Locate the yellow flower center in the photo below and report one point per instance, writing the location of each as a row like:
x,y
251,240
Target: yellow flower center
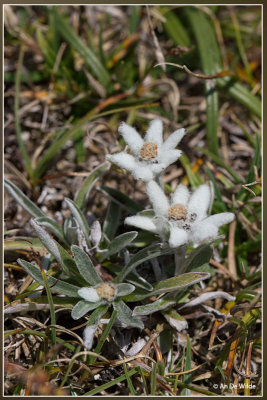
x,y
177,212
105,291
149,151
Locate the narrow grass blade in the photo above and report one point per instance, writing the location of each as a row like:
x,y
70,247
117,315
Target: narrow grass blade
x,y
107,385
153,380
23,200
175,29
187,377
241,94
22,147
211,61
76,42
83,193
194,178
52,307
104,336
220,162
129,381
77,350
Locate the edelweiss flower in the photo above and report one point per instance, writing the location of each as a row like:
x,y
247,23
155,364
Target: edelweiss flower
x,y
184,219
105,292
150,155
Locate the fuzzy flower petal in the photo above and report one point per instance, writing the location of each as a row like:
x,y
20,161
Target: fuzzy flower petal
x,y
220,219
172,141
88,336
154,132
123,160
158,199
89,294
142,172
181,195
177,237
199,201
203,230
141,222
131,137
169,157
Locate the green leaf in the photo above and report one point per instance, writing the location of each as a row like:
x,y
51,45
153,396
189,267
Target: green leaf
x,y
119,243
80,219
143,255
60,254
83,307
194,178
125,315
56,285
187,377
175,29
177,282
139,281
112,220
157,305
122,200
201,255
85,266
76,42
175,320
84,192
23,200
169,285
241,94
211,61
53,227
24,243
122,289
220,162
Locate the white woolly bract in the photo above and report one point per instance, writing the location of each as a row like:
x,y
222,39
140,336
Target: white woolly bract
x,y
88,336
169,157
141,222
158,199
154,132
199,201
220,219
178,237
123,160
172,141
131,137
89,294
181,195
144,173
203,230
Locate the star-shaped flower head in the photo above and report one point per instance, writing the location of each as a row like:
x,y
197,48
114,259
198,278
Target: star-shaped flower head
x,y
184,219
150,156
